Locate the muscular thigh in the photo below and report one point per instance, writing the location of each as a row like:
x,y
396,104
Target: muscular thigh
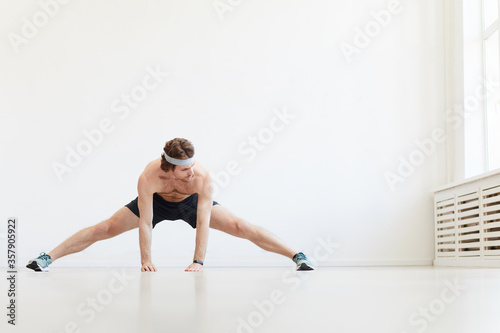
x,y
222,219
123,220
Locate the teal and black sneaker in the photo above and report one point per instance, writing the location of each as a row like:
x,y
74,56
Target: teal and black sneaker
x,y
40,264
303,263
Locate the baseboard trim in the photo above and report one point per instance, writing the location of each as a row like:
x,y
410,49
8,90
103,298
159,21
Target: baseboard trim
x,y
244,263
467,262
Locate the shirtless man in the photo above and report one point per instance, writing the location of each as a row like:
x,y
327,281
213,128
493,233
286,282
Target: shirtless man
x,y
173,187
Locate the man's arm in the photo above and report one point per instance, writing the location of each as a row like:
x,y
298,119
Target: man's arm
x,y
204,210
145,203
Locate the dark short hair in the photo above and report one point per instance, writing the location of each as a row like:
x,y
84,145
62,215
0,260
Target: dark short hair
x,y
176,148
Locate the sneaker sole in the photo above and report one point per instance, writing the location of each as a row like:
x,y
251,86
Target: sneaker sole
x,y
305,267
34,266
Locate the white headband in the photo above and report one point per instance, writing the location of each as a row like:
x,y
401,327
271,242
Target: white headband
x,y
176,161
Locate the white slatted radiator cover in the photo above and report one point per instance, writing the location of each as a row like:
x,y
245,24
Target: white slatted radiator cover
x,y
467,222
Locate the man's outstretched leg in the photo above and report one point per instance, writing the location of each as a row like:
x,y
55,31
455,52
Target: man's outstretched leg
x,y
123,220
222,219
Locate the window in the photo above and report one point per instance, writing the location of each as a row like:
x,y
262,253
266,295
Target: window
x,y
491,47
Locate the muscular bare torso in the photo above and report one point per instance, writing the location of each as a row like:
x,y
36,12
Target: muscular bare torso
x,y
175,186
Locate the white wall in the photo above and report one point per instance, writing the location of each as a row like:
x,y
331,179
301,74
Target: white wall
x,y
356,119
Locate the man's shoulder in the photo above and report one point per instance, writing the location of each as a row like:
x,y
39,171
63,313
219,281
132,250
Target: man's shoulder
x,y
202,172
149,173
151,168
204,181
154,164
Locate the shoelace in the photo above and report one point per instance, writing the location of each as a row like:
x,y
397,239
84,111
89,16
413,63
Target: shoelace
x,y
301,256
43,256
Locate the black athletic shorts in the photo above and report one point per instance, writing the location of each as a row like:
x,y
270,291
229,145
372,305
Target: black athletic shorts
x,y
165,210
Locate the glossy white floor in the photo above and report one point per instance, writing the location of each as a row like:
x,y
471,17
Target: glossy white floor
x,y
371,299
